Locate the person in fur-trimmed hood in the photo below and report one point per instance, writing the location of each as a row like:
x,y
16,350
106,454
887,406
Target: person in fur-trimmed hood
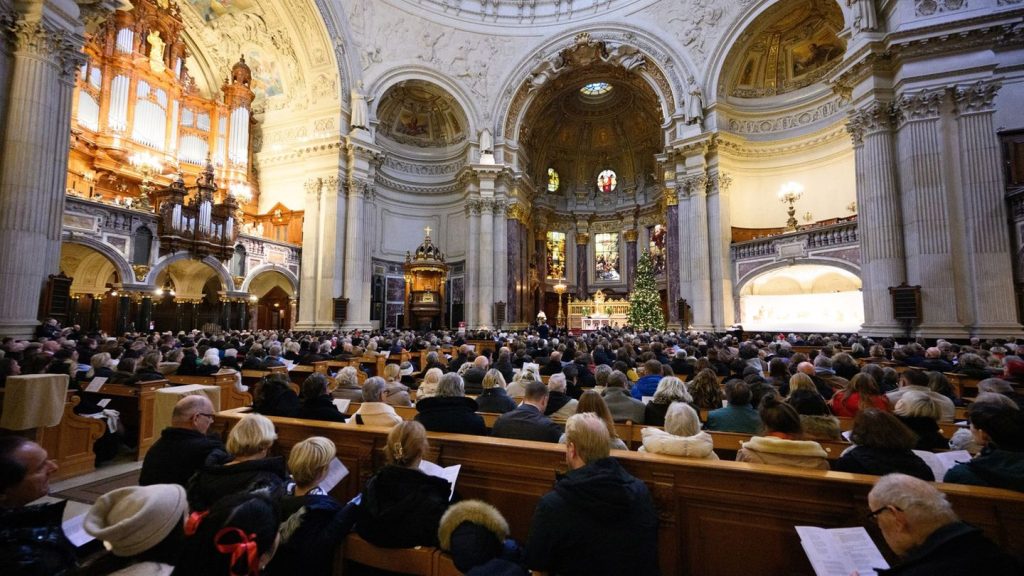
x,y
476,535
781,444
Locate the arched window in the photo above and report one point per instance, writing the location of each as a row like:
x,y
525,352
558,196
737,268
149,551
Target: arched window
x,y
552,180
141,246
607,181
238,261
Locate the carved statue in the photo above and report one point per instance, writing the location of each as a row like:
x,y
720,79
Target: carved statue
x,y
629,57
486,142
865,19
695,106
360,110
156,51
545,71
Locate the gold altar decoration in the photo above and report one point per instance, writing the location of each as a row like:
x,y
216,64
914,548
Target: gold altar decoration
x,y
425,275
597,312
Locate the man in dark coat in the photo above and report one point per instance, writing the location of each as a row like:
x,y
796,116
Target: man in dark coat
x,y
528,422
183,446
596,491
473,378
921,528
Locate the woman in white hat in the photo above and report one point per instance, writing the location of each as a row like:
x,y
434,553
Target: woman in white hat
x,y
142,526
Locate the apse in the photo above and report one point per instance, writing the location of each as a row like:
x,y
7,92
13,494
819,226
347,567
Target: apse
x,y
803,298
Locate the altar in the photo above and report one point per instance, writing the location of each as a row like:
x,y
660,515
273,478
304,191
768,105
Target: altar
x,y
598,312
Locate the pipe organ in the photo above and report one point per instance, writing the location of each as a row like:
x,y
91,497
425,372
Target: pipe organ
x,y
134,95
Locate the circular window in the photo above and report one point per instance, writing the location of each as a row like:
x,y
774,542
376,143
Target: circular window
x,y
606,181
596,89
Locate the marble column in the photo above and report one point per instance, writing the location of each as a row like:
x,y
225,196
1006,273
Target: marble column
x,y
630,236
672,256
363,158
926,223
582,288
514,267
501,277
472,294
123,317
485,272
46,51
723,309
699,265
309,284
988,251
881,235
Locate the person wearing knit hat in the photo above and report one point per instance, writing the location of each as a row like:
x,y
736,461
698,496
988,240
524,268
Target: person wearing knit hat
x,y
476,535
142,526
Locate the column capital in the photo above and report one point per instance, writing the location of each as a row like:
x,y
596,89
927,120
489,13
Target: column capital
x,y
977,97
876,116
695,185
631,235
474,206
582,238
359,188
47,41
919,105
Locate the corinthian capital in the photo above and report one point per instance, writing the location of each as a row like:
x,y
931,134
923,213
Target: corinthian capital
x,y
921,105
45,41
977,97
873,117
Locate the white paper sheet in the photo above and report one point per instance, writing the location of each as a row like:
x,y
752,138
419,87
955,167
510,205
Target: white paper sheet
x,y
103,403
289,364
96,383
75,532
941,462
342,404
841,551
451,473
336,472
646,399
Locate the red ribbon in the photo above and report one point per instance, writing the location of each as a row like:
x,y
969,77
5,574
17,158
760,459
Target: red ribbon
x,y
193,521
246,547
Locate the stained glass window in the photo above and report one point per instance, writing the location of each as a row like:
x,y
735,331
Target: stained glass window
x,y
658,232
552,180
606,256
607,181
596,89
556,255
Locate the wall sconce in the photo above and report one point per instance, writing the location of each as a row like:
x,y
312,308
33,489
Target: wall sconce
x,y
789,193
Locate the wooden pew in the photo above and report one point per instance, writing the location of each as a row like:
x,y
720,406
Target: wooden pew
x,y
703,505
136,403
230,396
250,377
70,442
300,372
420,561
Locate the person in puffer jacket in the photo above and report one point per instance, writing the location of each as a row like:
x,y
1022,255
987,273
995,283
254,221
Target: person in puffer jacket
x,y
682,435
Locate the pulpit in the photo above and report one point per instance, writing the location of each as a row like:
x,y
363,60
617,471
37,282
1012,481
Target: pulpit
x,y
425,275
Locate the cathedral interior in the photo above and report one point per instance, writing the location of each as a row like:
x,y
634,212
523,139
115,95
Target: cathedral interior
x,y
276,164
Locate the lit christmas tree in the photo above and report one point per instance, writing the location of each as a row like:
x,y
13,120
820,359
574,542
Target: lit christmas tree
x,y
644,302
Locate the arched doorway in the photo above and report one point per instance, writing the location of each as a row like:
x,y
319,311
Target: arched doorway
x,y
273,308
96,302
802,298
188,296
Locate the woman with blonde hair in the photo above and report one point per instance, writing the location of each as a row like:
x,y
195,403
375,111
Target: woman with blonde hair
x,y
246,466
801,381
591,401
428,387
401,506
670,389
494,398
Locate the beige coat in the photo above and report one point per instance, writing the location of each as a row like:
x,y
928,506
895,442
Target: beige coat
x,y
657,441
376,414
782,452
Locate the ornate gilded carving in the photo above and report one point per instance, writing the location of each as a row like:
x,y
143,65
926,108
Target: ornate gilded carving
x,y
631,235
978,97
582,239
517,212
141,270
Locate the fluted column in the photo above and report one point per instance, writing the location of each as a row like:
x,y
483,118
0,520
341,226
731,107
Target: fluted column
x,y
309,284
630,236
582,287
487,264
46,50
696,188
363,158
472,295
926,225
723,310
990,291
881,233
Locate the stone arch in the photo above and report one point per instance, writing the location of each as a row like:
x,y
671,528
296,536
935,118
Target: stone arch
x,y
667,72
267,268
845,265
121,265
402,73
226,282
783,301
345,56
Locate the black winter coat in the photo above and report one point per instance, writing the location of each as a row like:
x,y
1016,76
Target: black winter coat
x,y
321,408
956,549
176,456
450,414
879,462
402,508
928,435
277,400
32,542
495,400
217,480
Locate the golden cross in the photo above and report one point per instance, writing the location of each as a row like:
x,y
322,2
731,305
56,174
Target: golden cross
x,y
428,230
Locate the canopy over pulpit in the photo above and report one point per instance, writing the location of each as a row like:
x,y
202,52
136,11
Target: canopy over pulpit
x,y
425,275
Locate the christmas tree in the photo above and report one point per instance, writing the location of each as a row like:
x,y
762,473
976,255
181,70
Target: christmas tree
x,y
644,301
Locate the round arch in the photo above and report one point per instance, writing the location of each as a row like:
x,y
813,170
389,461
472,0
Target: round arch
x,y
227,283
124,270
811,295
844,265
404,72
268,268
667,71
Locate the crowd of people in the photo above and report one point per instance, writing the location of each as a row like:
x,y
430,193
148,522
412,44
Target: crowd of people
x,y
239,509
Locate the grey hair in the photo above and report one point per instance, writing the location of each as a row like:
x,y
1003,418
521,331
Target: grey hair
x,y
996,385
916,403
920,501
373,388
432,376
617,379
682,420
348,376
822,361
450,385
493,379
275,350
671,389
601,374
556,382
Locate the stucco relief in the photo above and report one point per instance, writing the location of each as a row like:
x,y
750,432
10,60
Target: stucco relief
x,y
696,24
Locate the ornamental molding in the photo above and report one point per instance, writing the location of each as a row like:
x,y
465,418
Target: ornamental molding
x,y
920,105
876,116
424,169
772,122
976,98
930,7
743,148
695,185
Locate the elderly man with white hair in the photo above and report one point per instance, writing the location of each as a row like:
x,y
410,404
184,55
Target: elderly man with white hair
x,y
560,404
922,529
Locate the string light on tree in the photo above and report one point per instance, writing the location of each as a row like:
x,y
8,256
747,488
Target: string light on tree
x,y
644,301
